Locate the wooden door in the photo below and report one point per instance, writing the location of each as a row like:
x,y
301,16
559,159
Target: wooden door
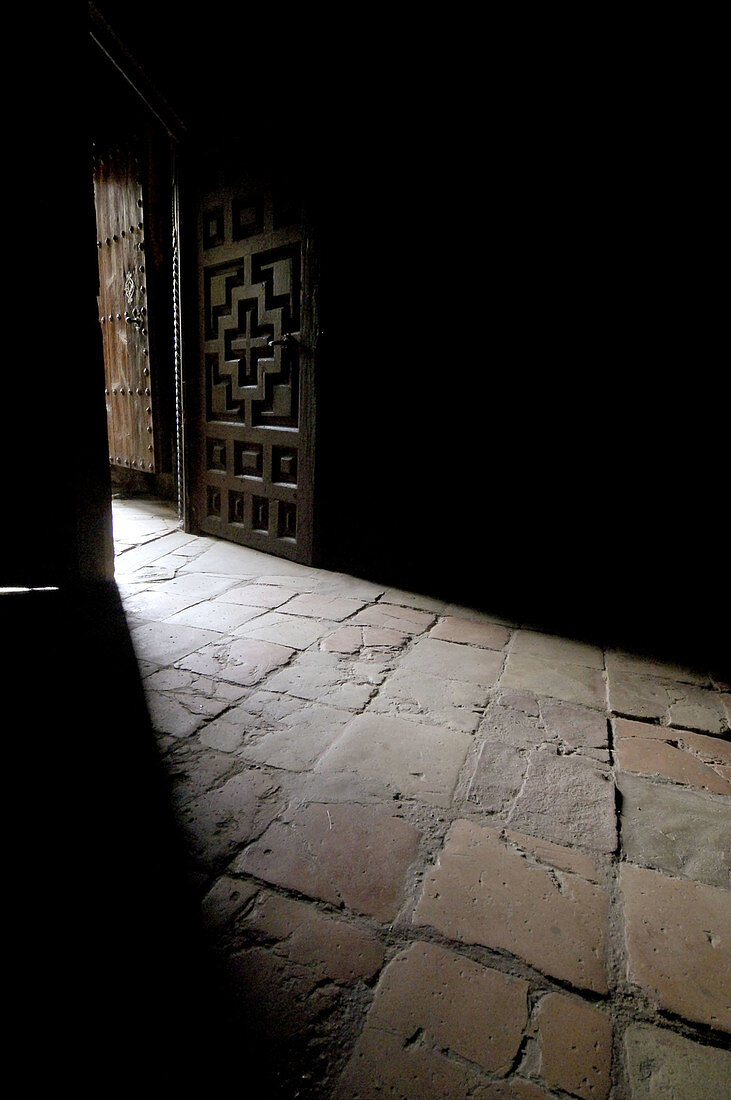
x,y
252,471
123,312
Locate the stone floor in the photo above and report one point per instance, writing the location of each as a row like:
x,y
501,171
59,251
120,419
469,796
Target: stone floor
x,y
439,855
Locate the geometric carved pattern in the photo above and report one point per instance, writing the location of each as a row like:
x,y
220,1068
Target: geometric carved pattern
x,y
253,353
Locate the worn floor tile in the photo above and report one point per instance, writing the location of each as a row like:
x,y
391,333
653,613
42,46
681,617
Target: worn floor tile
x,y
567,799
452,661
417,760
215,615
333,949
549,647
352,639
287,630
681,756
300,739
679,944
489,889
165,643
406,620
556,678
322,606
678,704
243,661
682,832
576,1046
662,1065
498,775
575,726
221,821
193,771
454,703
345,854
468,632
265,596
446,1005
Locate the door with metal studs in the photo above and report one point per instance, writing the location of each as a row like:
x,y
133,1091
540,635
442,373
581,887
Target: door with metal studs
x,y
253,466
123,314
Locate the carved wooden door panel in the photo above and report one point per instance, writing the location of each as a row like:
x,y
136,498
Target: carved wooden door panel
x,y
253,469
123,309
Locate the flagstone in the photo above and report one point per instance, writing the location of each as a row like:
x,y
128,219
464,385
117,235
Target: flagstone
x,y
678,937
483,891
345,854
418,760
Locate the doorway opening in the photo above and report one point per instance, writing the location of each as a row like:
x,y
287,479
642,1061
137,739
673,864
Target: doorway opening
x,y
134,166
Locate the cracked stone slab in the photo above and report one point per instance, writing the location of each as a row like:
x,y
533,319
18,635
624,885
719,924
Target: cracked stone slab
x,y
679,831
345,854
498,776
310,676
557,678
575,1046
452,661
353,639
453,703
244,661
405,620
418,760
662,1064
216,615
320,605
225,899
299,741
673,702
331,948
575,726
168,597
181,714
221,821
261,596
678,936
193,771
567,799
469,632
490,887
294,631
681,756
431,1004
277,726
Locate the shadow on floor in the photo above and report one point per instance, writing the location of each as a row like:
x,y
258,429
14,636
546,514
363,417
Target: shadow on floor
x,y
113,977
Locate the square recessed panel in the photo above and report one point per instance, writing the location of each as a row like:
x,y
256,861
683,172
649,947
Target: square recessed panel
x,y
248,217
284,465
248,459
287,520
260,514
216,454
237,507
213,231
213,501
